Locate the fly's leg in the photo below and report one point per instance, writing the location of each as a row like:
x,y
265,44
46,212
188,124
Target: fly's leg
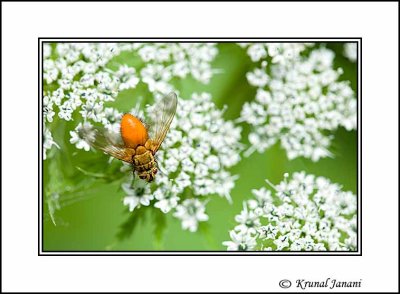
x,y
160,169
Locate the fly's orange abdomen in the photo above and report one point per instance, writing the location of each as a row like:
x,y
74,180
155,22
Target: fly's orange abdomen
x,y
133,132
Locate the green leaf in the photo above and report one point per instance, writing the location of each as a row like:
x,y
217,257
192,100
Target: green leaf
x,y
160,224
127,228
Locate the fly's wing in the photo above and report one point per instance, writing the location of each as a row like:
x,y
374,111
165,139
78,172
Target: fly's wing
x,y
160,119
101,139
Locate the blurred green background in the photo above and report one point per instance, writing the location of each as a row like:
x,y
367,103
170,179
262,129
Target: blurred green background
x,y
93,213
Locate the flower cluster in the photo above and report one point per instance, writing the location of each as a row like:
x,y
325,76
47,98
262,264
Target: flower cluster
x,y
274,52
299,100
81,81
165,61
194,160
303,213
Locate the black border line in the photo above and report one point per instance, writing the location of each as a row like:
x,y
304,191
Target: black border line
x,y
40,146
201,1
359,133
41,252
193,40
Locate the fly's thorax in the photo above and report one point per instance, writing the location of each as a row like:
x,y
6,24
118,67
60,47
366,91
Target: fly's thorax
x,y
141,150
143,159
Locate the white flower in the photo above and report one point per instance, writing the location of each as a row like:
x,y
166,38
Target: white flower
x,y
257,52
126,77
282,242
166,204
48,112
79,141
148,52
92,109
306,213
136,194
298,102
58,96
167,198
241,241
66,110
46,50
258,78
107,86
191,212
50,71
263,196
111,119
350,51
87,80
157,78
248,220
